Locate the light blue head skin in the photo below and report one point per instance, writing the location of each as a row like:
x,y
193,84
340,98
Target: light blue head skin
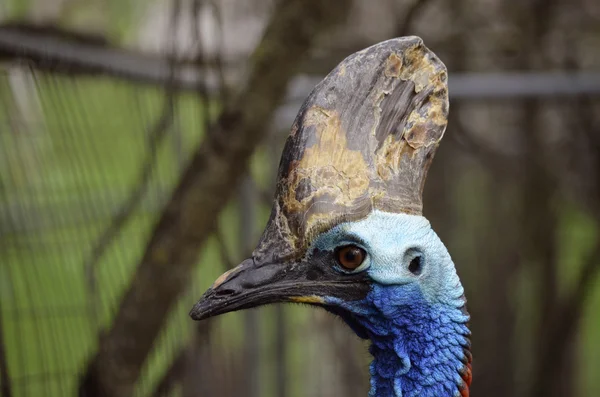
x,y
416,321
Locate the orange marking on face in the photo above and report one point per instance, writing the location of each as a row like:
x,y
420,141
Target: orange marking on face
x,y
307,299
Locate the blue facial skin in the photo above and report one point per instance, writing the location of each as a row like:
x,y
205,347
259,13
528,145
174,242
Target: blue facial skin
x,y
415,319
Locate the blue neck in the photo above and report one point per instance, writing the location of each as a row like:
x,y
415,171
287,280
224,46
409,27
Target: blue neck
x,y
419,349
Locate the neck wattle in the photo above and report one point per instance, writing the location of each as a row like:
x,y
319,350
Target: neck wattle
x,y
419,349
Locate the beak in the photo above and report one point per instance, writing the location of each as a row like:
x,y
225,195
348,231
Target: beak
x,y
254,284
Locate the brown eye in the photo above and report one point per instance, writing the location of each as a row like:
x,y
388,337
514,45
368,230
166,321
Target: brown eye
x,y
350,256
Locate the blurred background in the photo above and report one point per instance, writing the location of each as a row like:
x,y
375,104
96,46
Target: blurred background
x,y
139,142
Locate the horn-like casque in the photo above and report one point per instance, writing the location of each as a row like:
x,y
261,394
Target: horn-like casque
x,y
363,140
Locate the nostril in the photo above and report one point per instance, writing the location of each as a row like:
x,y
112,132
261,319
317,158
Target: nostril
x,y
224,291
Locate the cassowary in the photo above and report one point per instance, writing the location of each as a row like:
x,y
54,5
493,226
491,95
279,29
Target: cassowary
x,y
346,231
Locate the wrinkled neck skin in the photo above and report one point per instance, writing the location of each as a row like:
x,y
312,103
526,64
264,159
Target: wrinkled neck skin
x,y
417,327
419,349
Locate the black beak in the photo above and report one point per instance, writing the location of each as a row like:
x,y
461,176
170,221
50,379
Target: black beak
x,y
254,284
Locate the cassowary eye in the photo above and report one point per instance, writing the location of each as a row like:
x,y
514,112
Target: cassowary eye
x,y
415,265
350,256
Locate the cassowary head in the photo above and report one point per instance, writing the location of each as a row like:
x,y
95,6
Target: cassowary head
x,y
346,231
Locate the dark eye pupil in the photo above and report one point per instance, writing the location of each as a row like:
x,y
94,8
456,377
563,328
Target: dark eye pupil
x,y
352,255
415,265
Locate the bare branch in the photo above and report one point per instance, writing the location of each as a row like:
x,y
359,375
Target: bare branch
x,y
70,54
